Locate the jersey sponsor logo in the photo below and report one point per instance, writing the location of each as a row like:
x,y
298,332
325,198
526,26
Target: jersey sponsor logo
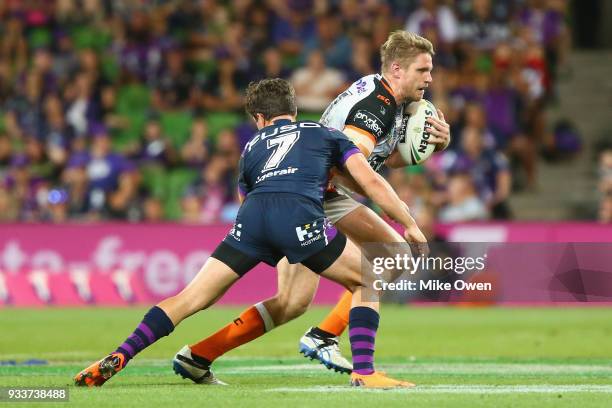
x,y
383,98
236,232
275,173
370,121
311,232
361,86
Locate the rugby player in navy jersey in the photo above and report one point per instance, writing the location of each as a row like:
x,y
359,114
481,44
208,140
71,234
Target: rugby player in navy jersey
x,y
284,170
370,113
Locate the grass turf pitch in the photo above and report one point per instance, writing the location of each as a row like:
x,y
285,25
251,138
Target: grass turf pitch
x,y
457,356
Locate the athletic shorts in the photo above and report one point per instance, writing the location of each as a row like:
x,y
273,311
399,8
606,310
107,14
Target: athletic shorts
x,y
338,204
269,227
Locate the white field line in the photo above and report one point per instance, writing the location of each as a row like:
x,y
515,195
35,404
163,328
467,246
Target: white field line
x,y
439,368
463,389
476,368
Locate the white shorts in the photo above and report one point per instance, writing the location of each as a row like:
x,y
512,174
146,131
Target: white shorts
x,y
339,206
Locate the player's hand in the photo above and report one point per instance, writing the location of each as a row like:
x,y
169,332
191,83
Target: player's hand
x,y
417,241
439,131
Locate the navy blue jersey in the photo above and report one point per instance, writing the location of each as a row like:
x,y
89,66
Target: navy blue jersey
x,y
293,157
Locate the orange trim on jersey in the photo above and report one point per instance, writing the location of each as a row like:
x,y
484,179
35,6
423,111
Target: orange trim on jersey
x,y
387,87
364,150
363,132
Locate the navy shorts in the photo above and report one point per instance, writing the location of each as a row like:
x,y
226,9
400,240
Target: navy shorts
x,y
272,226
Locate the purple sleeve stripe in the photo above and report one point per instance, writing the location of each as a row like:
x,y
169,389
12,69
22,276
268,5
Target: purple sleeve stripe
x,y
362,331
349,153
147,331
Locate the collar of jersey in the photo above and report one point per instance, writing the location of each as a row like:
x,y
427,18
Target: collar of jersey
x,y
278,122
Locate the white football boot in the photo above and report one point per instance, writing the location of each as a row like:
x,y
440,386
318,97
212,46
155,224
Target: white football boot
x,y
185,366
326,350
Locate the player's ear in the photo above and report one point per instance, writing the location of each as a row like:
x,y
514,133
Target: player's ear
x,y
259,120
396,68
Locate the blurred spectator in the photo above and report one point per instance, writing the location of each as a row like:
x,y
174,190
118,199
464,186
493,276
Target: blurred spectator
x,y
197,149
605,186
605,171
362,59
481,29
79,78
329,39
488,169
155,149
545,22
270,66
228,149
204,200
174,86
224,89
25,188
463,203
57,133
111,183
258,21
8,204
207,30
316,85
433,14
56,207
13,45
74,178
293,26
6,150
153,210
81,109
605,209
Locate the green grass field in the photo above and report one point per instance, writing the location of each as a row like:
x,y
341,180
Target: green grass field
x,y
472,357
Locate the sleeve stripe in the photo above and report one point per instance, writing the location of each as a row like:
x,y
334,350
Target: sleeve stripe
x,y
363,132
242,192
349,153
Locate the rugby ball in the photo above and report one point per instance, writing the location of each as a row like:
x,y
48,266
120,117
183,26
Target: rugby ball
x,y
413,144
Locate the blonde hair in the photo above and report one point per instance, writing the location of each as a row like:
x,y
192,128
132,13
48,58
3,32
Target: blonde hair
x,y
403,46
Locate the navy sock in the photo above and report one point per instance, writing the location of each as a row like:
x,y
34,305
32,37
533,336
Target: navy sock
x,y
155,325
363,323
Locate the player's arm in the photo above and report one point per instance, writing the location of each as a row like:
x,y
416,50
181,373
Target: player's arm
x,y
379,190
242,189
365,142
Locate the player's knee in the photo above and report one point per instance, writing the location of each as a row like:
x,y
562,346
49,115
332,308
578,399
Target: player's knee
x,y
296,308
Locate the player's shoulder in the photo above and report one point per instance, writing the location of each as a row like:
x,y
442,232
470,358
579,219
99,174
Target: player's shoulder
x,y
377,94
320,128
364,85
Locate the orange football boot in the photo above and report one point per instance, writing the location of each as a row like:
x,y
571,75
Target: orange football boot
x,y
378,379
98,373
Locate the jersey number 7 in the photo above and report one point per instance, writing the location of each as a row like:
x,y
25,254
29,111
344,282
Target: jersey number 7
x,y
281,144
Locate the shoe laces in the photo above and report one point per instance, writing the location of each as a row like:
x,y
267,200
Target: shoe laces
x,y
326,341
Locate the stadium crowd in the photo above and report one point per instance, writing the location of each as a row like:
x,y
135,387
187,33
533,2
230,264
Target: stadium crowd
x,y
132,110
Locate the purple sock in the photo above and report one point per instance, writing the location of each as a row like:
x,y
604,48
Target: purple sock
x,y
363,323
155,325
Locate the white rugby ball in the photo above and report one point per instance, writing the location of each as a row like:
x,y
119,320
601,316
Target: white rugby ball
x,y
413,144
